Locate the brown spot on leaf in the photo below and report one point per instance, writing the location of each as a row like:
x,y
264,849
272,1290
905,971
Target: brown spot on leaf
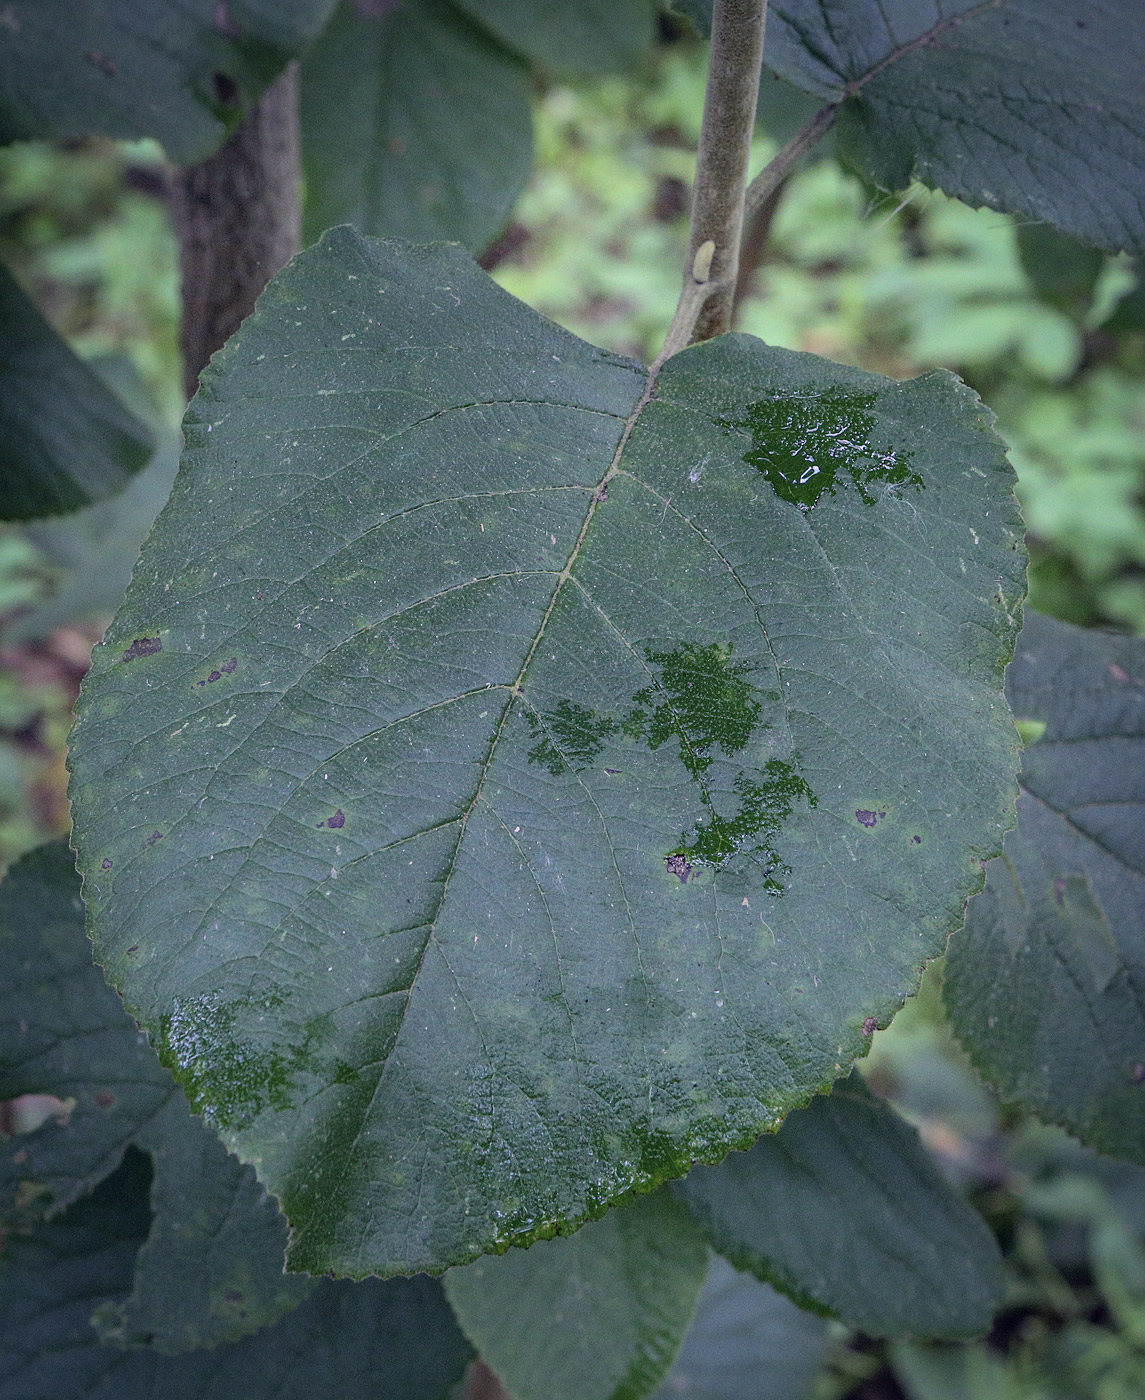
x,y
678,865
134,948
1119,673
1059,891
870,1026
102,62
337,820
224,21
105,1098
234,1296
916,840
227,92
143,646
151,840
866,818
106,863
1137,1074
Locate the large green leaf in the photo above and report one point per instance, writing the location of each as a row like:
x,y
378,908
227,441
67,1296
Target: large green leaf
x,y
212,1266
177,70
747,1342
65,439
579,36
1032,106
595,1317
845,1193
349,1341
485,831
1045,984
415,125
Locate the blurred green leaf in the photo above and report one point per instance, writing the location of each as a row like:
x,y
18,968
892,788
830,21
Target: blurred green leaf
x,y
178,70
576,36
65,440
844,1210
746,1342
1042,983
597,1316
1062,271
414,125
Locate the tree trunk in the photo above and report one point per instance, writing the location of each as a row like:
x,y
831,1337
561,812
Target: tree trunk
x,y
239,220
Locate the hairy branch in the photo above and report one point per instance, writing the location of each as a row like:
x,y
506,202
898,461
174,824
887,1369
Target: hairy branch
x,y
721,172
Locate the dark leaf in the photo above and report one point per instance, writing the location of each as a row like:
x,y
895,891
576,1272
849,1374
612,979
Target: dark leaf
x,y
1031,106
844,1210
1044,984
178,70
348,1341
598,1316
212,1266
65,439
414,125
579,36
747,1342
493,833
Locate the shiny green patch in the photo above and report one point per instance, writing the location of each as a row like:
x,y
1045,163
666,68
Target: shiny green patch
x,y
801,442
572,736
705,699
765,807
229,1079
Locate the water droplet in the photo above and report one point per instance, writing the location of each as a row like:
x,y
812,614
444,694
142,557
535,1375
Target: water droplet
x,y
801,442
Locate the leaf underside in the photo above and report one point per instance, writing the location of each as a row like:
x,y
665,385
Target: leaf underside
x,y
845,1194
483,832
1046,983
65,439
1030,106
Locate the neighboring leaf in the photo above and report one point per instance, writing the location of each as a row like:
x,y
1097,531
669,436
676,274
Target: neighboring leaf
x,y
1031,106
496,833
697,12
177,70
579,36
65,439
414,125
349,1341
598,1316
212,1267
1044,985
92,551
1061,270
844,1210
747,1342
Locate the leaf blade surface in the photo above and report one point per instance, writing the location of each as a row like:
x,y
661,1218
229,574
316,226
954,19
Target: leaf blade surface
x,y
505,780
